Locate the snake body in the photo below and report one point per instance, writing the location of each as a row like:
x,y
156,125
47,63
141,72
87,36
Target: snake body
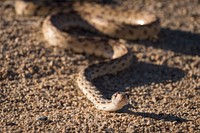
x,y
113,22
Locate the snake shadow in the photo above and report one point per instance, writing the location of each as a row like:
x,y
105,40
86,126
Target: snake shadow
x,y
178,41
160,116
140,74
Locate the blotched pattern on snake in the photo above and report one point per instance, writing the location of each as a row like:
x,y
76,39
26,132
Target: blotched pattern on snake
x,y
110,21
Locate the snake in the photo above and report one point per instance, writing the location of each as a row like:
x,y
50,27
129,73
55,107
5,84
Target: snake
x,y
111,24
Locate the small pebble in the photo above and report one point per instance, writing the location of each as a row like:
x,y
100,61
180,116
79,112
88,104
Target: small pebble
x,y
42,118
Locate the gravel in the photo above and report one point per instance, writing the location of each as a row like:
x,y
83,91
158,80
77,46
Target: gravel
x,y
38,92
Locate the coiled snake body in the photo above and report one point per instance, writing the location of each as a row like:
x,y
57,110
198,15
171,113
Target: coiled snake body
x,y
110,21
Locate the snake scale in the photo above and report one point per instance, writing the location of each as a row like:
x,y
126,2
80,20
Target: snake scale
x,y
107,20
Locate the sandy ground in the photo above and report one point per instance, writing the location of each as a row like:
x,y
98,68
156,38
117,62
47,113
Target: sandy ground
x,y
38,92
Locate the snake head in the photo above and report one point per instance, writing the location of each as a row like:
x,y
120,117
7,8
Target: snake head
x,y
120,99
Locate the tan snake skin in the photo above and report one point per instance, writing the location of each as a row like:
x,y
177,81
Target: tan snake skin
x,y
113,22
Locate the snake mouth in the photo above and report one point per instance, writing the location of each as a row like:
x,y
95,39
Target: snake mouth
x,y
120,98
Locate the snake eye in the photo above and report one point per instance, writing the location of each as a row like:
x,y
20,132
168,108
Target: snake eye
x,y
114,95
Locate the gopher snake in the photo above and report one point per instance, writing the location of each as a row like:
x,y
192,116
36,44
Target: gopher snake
x,y
110,21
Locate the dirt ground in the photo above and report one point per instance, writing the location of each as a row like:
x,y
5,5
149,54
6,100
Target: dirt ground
x,y
38,92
